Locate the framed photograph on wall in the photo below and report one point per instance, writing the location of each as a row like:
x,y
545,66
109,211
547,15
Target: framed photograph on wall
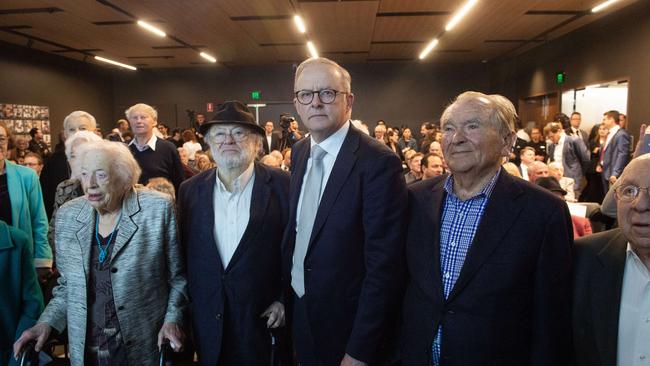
x,y
21,118
18,126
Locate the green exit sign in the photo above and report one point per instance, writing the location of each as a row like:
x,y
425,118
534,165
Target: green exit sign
x,y
560,77
256,95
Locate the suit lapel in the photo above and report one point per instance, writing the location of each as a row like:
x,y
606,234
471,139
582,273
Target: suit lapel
x,y
126,227
84,227
342,167
259,203
430,250
551,152
205,219
493,227
606,287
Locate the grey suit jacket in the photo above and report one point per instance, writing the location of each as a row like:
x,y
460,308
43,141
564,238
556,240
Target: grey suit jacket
x,y
147,273
575,158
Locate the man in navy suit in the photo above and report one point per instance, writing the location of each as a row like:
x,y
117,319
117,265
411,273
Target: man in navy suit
x,y
488,254
343,254
570,151
232,220
616,152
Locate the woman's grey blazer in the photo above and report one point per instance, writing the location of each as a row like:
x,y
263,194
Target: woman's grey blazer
x,y
147,273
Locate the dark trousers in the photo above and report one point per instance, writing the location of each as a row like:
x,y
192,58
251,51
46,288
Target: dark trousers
x,y
303,341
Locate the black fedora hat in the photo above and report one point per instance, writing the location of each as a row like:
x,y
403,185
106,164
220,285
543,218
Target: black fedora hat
x,y
232,112
551,184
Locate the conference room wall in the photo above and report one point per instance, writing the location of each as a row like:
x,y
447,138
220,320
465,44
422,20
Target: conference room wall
x,y
400,93
616,47
33,77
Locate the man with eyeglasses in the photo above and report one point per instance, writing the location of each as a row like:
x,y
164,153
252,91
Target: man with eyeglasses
x,y
344,245
611,298
232,220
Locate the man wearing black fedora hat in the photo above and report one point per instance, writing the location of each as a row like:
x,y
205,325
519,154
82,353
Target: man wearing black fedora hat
x,y
232,220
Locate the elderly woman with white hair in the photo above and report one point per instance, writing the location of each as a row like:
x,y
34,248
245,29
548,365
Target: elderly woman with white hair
x,y
122,289
56,168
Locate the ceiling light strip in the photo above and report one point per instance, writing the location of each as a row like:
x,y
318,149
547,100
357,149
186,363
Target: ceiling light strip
x,y
112,62
208,57
151,28
428,48
460,14
603,5
299,24
312,49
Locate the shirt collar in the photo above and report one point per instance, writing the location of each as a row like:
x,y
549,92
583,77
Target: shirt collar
x,y
239,183
634,260
151,143
332,144
562,138
486,191
614,129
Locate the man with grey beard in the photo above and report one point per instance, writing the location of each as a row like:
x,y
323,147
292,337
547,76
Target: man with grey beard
x,y
231,220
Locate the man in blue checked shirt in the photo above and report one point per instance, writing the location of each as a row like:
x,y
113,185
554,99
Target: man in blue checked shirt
x,y
489,255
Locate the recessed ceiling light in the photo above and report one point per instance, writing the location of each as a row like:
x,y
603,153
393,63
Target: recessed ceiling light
x,y
151,28
299,24
208,57
460,14
312,49
428,48
112,62
603,5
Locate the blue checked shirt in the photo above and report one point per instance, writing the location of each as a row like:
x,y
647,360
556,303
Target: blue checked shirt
x,y
460,220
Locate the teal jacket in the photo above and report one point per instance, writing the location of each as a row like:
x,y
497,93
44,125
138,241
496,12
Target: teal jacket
x,y
21,302
28,210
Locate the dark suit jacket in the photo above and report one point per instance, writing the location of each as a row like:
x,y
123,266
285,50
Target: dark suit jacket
x,y
227,303
575,158
617,154
511,303
597,284
354,263
275,143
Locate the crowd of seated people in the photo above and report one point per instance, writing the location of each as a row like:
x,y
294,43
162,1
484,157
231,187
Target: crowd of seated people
x,y
112,247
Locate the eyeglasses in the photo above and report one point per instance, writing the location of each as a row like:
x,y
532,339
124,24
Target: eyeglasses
x,y
326,96
237,134
630,192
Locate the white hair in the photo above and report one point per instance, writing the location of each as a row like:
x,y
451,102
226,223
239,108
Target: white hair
x,y
345,75
556,165
124,169
501,112
75,116
77,139
144,107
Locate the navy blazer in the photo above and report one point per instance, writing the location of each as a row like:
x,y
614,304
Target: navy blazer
x,y
617,154
575,158
597,285
354,262
227,303
511,304
275,143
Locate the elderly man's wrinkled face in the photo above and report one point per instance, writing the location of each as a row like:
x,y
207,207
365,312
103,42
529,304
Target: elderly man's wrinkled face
x,y
142,123
97,181
470,142
78,124
232,146
321,119
634,213
185,157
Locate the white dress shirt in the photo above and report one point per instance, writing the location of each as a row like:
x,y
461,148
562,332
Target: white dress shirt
x,y
269,138
332,146
231,213
610,135
151,144
634,315
524,172
559,147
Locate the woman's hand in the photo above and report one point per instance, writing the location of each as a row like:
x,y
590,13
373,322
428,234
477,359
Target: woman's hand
x,y
275,313
39,333
174,333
